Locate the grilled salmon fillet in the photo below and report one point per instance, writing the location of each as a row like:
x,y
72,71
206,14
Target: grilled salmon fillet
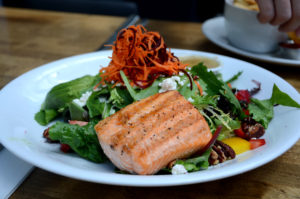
x,y
145,136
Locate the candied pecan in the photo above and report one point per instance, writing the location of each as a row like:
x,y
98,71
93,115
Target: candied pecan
x,y
213,158
229,152
46,135
220,153
252,129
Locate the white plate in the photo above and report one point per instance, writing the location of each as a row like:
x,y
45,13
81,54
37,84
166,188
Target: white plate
x,y
214,30
20,134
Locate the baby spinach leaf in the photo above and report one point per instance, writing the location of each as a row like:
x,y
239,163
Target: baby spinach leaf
x,y
60,95
108,110
213,85
129,87
151,90
43,117
82,139
94,105
186,91
77,112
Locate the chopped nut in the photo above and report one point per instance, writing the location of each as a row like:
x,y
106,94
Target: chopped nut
x,y
220,153
252,128
213,159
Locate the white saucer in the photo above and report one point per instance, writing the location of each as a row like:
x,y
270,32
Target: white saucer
x,y
214,30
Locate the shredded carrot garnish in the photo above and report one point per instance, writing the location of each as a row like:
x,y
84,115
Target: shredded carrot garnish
x,y
199,87
229,85
142,55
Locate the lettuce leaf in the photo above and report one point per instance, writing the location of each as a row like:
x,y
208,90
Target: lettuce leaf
x,y
279,97
262,110
207,105
185,89
120,98
234,77
214,86
197,163
140,94
82,139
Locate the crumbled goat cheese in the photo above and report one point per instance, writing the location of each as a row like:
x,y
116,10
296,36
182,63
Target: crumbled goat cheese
x,y
178,169
190,100
170,84
104,85
176,78
181,73
112,111
102,99
82,100
97,89
181,83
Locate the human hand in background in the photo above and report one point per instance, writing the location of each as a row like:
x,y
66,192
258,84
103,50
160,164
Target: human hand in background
x,y
285,13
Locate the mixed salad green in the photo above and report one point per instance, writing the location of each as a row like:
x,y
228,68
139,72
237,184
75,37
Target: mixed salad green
x,y
79,100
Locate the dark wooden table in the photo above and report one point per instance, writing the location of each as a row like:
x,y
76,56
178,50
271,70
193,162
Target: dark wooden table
x,y
30,38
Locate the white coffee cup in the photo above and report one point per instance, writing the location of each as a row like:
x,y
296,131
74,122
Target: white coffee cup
x,y
244,31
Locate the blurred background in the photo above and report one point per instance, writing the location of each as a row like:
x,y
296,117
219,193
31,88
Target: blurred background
x,y
187,10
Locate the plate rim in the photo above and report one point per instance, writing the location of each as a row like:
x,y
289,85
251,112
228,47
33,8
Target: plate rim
x,y
182,180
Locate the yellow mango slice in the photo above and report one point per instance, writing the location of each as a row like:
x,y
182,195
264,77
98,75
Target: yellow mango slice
x,y
239,145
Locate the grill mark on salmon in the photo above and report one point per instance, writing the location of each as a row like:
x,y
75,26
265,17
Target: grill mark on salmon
x,y
146,123
133,113
164,127
145,136
148,108
165,132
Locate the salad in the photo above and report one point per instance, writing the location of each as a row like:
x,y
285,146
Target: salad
x,y
141,66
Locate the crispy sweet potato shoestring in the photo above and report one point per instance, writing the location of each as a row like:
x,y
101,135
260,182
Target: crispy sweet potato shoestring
x,y
142,56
